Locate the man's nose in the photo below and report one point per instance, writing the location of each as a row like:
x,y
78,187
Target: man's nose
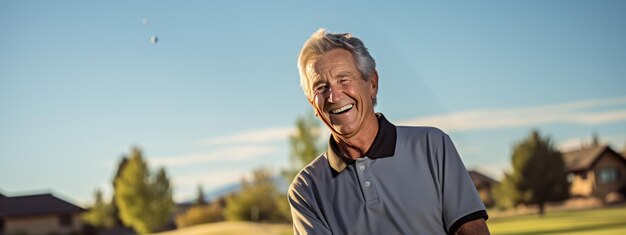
x,y
334,94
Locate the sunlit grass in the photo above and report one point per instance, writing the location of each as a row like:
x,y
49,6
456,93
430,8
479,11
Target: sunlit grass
x,y
591,221
234,228
602,221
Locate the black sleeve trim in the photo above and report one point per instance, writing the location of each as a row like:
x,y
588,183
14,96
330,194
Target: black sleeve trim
x,y
473,216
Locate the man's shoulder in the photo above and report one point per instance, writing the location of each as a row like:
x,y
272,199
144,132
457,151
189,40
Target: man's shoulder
x,y
311,173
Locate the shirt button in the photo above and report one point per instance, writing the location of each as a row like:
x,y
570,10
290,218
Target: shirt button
x,y
362,167
367,184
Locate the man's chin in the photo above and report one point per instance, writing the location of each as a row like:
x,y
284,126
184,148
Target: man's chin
x,y
343,131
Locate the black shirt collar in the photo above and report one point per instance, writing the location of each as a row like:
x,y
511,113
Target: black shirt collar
x,y
384,145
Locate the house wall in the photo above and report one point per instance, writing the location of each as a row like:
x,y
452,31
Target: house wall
x,y
582,184
34,225
609,160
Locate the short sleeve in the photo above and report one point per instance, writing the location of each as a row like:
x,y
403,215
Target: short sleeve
x,y
304,211
461,202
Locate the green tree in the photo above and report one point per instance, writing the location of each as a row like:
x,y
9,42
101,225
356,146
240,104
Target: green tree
x,y
538,175
116,210
200,196
304,145
161,199
100,214
144,201
505,194
258,200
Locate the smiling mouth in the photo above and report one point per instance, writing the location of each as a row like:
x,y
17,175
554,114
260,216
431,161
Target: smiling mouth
x,y
342,109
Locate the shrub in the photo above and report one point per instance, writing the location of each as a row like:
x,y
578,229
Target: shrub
x,y
200,214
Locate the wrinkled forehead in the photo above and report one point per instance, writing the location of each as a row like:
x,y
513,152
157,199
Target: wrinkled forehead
x,y
330,62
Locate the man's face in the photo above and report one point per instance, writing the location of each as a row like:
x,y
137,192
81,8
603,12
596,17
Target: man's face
x,y
341,98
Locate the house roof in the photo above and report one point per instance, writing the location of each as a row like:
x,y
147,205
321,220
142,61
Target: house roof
x,y
35,205
584,159
479,179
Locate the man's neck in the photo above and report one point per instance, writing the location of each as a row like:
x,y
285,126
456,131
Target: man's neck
x,y
356,146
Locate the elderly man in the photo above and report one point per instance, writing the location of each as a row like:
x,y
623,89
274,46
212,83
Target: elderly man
x,y
375,177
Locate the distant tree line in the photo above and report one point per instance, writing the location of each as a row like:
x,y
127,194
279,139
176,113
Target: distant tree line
x,y
142,201
259,200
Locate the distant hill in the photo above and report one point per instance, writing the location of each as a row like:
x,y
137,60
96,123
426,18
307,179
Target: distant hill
x,y
224,190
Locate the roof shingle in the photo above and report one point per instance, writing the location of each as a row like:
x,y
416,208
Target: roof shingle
x,y
35,205
583,159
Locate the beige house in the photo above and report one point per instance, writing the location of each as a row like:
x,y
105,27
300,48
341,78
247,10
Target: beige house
x,y
595,171
483,185
38,214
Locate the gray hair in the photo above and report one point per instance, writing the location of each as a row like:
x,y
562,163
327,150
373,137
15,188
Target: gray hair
x,y
321,42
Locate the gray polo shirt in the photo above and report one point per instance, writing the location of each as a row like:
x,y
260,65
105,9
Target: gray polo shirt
x,y
411,181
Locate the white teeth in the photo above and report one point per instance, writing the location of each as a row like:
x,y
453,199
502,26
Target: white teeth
x,y
344,108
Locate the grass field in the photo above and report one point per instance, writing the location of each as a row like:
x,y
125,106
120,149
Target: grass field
x,y
601,221
233,228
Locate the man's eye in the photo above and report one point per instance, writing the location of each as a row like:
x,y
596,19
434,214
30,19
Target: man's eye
x,y
320,89
344,81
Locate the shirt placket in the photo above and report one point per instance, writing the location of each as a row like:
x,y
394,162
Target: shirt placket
x,y
366,180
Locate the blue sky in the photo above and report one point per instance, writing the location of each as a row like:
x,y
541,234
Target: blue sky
x,y
80,82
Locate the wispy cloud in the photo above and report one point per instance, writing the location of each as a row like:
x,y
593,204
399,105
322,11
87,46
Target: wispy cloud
x,y
235,147
236,153
574,112
252,136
